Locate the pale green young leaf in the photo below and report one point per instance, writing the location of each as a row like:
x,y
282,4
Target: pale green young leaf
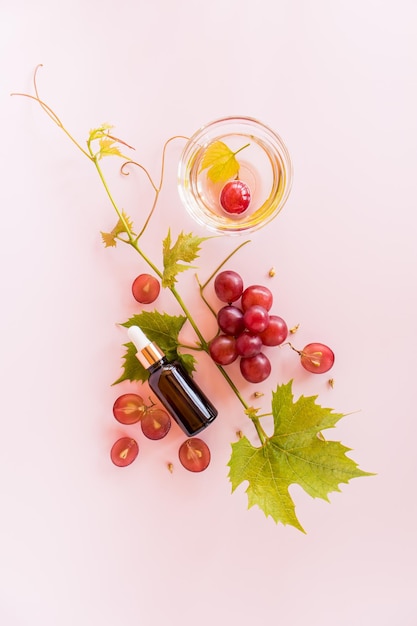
x,y
294,454
108,147
110,239
108,144
220,162
186,249
96,133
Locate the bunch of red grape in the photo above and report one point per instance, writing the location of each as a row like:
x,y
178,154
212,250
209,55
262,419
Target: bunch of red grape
x,y
129,409
247,329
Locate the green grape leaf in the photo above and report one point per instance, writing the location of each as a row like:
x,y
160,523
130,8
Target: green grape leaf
x,y
161,328
132,369
220,162
186,248
109,239
188,361
296,453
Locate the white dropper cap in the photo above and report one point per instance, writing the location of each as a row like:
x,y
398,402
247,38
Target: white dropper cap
x,y
138,337
148,352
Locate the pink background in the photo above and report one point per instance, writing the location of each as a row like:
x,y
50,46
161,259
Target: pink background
x,y
83,543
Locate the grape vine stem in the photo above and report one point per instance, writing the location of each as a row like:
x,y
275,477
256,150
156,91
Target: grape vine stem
x,y
133,239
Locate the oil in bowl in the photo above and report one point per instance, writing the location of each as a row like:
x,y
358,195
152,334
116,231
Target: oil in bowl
x,y
225,151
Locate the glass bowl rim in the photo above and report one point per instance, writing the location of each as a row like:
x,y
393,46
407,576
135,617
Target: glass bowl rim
x,y
192,147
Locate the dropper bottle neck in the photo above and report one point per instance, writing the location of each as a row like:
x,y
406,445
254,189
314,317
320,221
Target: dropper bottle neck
x,y
148,353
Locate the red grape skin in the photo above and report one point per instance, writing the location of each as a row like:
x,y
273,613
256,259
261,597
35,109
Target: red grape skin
x,y
128,408
255,369
124,451
256,318
228,286
248,345
223,349
155,424
235,197
145,288
194,454
230,320
257,294
317,358
276,332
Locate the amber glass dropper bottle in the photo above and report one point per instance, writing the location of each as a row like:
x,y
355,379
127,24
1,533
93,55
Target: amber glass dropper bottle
x,y
173,386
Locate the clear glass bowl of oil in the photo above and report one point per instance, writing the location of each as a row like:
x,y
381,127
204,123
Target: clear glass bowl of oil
x,y
264,165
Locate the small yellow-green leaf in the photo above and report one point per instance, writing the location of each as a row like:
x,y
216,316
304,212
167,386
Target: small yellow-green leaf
x,y
101,131
108,144
109,239
108,147
220,162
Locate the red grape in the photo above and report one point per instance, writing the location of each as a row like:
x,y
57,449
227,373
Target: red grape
x,y
228,286
194,454
145,288
257,294
124,451
155,423
256,318
128,408
223,349
230,320
317,358
235,197
248,345
275,333
255,369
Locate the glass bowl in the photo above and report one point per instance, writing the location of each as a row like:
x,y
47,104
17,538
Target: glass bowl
x,y
250,152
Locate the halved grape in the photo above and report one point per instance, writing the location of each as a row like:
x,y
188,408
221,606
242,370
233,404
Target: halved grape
x,y
194,454
228,286
128,408
256,318
145,288
223,349
230,320
317,358
155,423
276,332
257,294
124,451
255,369
248,345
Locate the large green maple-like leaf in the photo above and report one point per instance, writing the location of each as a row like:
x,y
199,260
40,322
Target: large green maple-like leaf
x,y
186,248
161,328
296,453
